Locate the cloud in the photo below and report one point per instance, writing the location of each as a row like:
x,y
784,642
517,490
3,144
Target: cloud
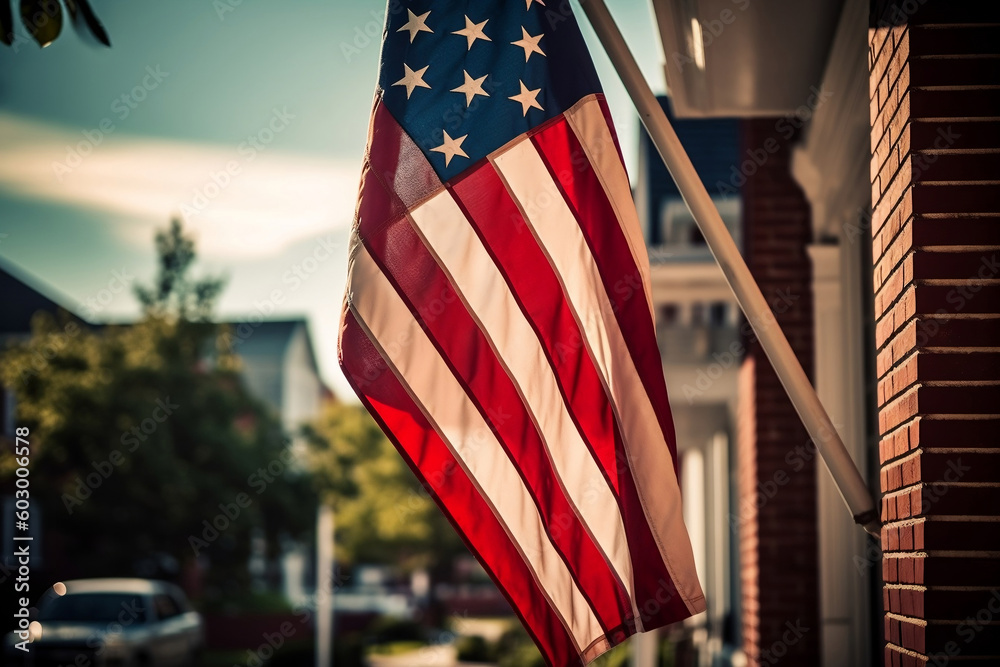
x,y
241,203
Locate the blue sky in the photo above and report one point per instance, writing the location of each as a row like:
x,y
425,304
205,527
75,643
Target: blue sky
x,y
247,117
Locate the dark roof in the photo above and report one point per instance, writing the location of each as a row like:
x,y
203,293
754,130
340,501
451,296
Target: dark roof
x,y
24,295
262,337
259,342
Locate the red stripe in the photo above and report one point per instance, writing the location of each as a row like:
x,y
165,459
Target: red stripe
x,y
498,221
433,301
584,192
395,174
432,462
430,296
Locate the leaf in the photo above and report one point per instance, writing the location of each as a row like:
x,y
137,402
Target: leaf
x,y
6,23
82,14
43,19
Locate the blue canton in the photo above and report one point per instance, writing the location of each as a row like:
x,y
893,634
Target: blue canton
x,y
465,77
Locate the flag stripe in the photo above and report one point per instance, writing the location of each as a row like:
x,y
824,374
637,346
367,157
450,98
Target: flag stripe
x,y
591,198
398,162
485,292
466,348
559,233
433,463
498,220
515,252
468,352
461,426
591,123
622,276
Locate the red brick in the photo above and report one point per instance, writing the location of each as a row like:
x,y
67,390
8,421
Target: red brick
x,y
965,265
962,571
961,298
942,499
779,566
971,432
932,167
958,365
955,133
963,40
957,535
944,72
906,538
961,198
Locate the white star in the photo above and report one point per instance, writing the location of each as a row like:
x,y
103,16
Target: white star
x,y
529,44
450,148
471,88
412,80
527,98
416,24
531,1
473,31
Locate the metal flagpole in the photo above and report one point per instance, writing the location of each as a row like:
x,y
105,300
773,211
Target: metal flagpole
x,y
324,585
793,378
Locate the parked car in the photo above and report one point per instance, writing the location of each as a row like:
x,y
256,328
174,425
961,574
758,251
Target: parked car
x,y
111,623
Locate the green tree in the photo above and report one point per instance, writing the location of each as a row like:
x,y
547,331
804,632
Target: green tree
x,y
139,433
383,514
174,295
43,19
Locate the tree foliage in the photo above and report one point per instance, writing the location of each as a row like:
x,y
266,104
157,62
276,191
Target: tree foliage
x,y
43,20
382,513
173,294
141,433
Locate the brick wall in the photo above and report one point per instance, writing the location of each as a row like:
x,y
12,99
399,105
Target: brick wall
x,y
935,103
778,540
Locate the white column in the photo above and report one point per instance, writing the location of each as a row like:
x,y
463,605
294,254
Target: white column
x,y
644,649
718,590
838,357
324,586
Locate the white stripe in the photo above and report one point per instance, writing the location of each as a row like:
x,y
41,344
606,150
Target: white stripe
x,y
592,131
560,236
486,294
470,439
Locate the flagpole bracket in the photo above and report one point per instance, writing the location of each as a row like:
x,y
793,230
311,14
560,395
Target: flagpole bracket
x,y
870,522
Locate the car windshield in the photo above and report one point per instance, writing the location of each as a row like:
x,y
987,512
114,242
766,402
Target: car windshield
x,y
123,608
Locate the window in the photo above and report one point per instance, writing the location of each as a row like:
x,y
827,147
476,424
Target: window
x,y
668,314
718,313
698,315
679,227
165,607
95,607
180,601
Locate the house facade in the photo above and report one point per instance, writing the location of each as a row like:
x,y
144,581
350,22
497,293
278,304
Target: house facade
x,y
868,176
278,366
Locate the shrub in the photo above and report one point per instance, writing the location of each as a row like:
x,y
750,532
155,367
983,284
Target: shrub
x,y
474,649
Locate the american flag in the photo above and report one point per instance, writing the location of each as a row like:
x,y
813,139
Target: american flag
x,y
498,321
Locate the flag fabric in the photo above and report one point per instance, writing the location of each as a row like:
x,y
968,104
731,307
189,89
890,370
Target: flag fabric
x,y
498,322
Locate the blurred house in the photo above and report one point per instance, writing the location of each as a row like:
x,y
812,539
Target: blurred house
x,y
867,172
697,327
279,367
279,364
22,298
